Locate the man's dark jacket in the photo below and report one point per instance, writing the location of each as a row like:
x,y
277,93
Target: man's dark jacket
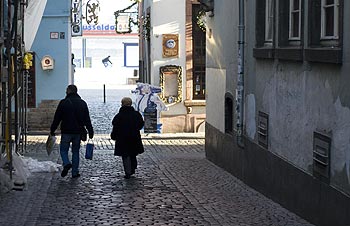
x,y
73,113
126,132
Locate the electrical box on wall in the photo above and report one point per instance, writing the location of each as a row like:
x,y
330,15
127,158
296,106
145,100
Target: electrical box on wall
x,y
47,63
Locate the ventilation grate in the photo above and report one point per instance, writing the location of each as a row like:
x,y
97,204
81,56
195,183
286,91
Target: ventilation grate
x,y
321,157
263,125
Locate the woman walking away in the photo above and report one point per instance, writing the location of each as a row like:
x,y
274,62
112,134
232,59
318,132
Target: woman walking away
x,y
126,133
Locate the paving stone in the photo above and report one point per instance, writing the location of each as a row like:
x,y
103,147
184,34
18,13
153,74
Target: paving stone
x,y
174,185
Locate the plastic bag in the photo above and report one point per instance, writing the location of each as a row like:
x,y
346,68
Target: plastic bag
x,y
89,149
51,140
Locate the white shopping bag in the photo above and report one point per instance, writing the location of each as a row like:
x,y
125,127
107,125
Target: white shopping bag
x,y
50,143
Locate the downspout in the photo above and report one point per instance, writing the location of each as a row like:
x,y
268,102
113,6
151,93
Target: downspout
x,y
240,77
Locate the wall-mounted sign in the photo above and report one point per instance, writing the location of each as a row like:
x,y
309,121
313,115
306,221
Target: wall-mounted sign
x,y
170,45
47,63
76,18
53,35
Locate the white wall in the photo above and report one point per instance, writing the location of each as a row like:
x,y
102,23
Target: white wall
x,y
215,83
168,17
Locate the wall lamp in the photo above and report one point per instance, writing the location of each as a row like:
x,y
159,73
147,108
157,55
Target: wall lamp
x,y
208,6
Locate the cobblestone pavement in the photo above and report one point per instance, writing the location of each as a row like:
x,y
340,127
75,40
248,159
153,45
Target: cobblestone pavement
x,y
174,185
103,107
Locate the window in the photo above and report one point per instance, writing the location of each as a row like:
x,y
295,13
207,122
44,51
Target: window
x,y
199,54
264,25
131,55
325,28
290,30
269,21
294,19
329,19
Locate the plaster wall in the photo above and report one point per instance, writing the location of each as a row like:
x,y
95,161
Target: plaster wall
x,y
51,85
168,17
221,60
216,80
299,97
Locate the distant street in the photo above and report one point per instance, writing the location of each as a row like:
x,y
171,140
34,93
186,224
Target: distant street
x,y
103,113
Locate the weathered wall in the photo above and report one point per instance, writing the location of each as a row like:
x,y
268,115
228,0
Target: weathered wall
x,y
277,179
300,98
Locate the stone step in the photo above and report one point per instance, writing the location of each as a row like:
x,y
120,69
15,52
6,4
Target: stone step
x,y
48,104
40,118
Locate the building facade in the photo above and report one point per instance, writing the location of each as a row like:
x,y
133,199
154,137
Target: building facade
x,y
172,56
52,43
296,116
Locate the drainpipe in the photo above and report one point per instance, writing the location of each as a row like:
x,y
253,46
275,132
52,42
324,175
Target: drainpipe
x,y
240,77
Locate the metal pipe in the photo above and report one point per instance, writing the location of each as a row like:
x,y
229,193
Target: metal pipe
x,y
8,135
240,77
104,93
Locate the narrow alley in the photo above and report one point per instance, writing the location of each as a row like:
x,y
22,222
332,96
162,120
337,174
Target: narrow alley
x,y
174,185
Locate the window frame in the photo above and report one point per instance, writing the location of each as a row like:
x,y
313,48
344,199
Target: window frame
x,y
292,12
324,22
263,49
323,50
269,21
287,48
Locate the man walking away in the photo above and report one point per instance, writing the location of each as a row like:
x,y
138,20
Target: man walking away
x,y
73,114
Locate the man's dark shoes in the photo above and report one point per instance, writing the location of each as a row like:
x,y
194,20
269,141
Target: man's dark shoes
x,y
127,176
65,170
76,175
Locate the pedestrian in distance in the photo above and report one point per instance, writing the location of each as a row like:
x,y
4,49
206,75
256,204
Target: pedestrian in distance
x,y
73,114
126,133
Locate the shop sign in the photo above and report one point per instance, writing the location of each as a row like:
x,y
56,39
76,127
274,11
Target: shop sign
x,y
170,45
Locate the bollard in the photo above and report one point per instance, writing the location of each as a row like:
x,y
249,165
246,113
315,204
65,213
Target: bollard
x,y
104,93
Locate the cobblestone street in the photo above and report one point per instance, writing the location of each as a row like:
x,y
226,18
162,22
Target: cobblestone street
x,y
173,185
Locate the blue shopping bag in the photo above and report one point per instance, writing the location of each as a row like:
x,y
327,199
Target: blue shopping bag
x,y
89,150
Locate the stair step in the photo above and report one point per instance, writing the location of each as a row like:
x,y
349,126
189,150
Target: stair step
x,y
40,118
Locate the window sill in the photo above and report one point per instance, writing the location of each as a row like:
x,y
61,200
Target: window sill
x,y
289,53
264,53
190,103
324,55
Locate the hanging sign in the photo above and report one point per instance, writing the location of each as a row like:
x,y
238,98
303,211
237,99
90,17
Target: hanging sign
x,y
76,18
123,24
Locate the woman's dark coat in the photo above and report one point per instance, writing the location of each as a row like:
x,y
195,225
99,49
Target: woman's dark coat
x,y
126,132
